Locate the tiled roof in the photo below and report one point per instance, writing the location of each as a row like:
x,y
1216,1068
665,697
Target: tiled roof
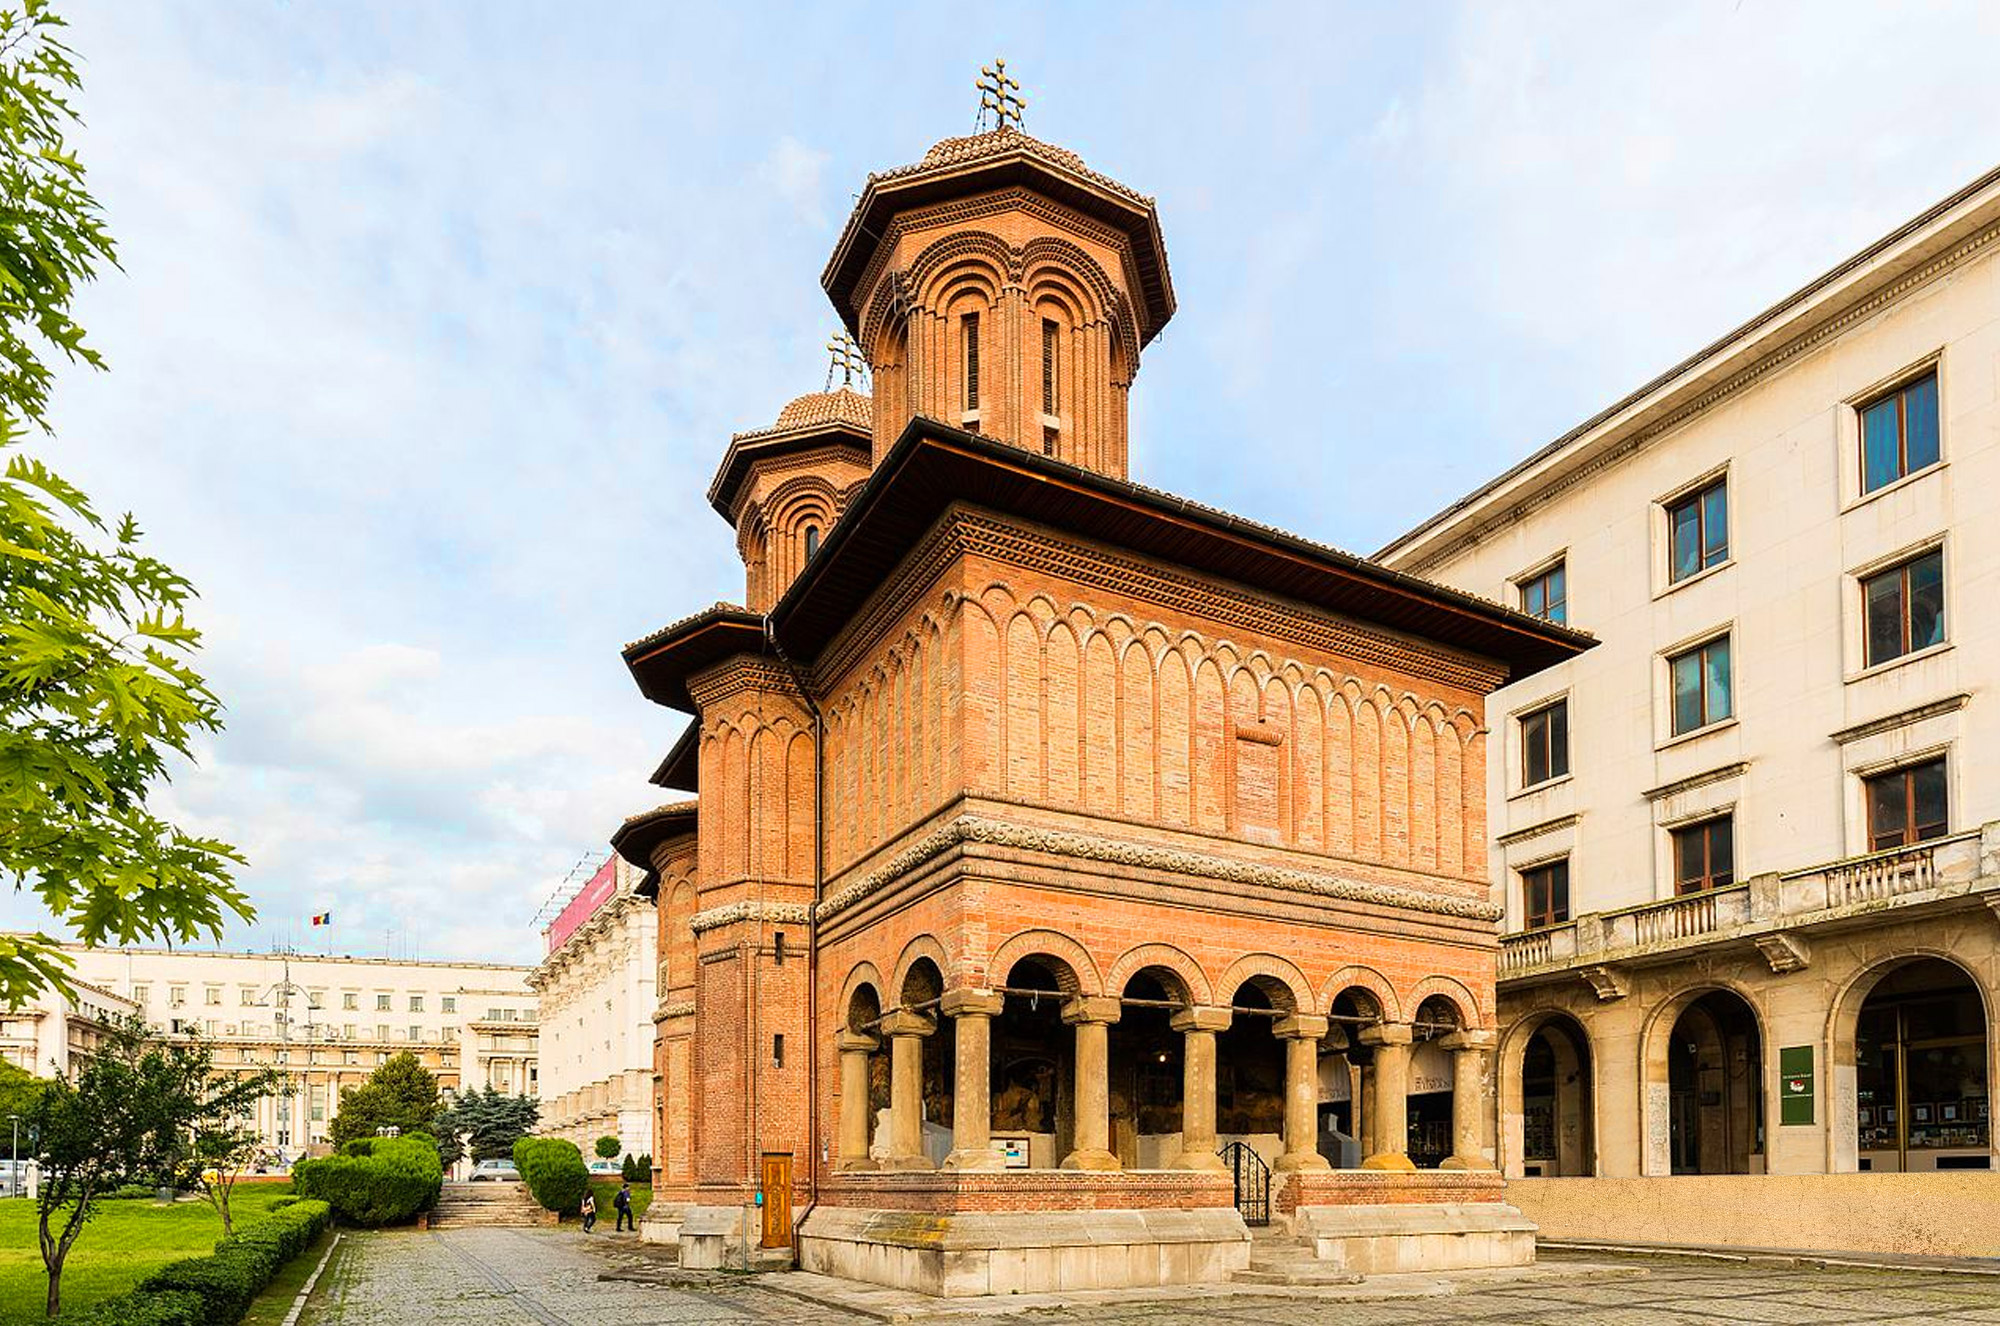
x,y
975,147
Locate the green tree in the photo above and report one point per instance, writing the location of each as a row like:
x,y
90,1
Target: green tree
x,y
97,693
486,1124
400,1095
130,1113
220,1154
606,1148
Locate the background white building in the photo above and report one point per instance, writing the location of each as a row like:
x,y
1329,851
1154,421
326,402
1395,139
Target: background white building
x,y
1749,845
56,1032
328,1022
597,991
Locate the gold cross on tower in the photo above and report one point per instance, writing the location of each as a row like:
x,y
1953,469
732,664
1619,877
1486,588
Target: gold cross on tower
x,y
847,360
999,95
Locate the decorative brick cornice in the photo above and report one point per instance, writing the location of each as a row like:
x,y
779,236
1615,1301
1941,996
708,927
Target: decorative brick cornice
x,y
680,1008
736,675
789,913
1143,856
963,532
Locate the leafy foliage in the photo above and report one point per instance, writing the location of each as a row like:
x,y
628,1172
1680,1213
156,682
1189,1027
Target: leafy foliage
x,y
128,1114
606,1147
223,1283
388,1183
486,1124
401,1094
554,1172
220,1155
97,694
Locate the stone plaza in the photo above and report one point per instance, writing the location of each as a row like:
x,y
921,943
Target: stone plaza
x,y
499,1277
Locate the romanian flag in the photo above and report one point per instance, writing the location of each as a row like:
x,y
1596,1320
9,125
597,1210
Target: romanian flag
x,y
323,918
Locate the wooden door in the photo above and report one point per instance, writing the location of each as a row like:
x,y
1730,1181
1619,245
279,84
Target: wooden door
x,y
776,1182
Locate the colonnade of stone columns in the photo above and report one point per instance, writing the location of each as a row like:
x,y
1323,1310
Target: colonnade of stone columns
x,y
1090,1017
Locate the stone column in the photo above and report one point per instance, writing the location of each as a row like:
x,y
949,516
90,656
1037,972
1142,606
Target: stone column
x,y
1469,1053
1301,1033
1198,1027
906,1032
854,1047
972,1013
1389,1101
1092,1018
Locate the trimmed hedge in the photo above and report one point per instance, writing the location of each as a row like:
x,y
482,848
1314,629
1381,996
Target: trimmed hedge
x,y
387,1184
554,1172
216,1290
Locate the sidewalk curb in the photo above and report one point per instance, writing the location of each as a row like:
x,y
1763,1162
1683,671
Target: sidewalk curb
x,y
305,1290
1869,1261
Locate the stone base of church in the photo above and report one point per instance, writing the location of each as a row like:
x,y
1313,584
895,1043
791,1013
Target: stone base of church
x,y
962,1234
1376,1222
717,1238
662,1222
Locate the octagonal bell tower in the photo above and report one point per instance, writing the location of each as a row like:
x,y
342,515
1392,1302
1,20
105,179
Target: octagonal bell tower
x,y
1002,286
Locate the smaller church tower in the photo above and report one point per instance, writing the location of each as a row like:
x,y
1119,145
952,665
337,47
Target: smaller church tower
x,y
783,487
1002,286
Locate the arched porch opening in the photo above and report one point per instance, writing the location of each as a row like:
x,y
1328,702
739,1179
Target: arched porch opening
x,y
922,989
864,1078
1711,1063
1344,1136
1033,1065
1550,1090
1250,1069
1147,1070
1921,1068
1428,1105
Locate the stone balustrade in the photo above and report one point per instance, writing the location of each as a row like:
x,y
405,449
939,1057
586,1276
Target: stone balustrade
x,y
1764,910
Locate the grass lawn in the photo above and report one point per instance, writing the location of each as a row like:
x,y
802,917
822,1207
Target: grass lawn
x,y
606,1189
123,1243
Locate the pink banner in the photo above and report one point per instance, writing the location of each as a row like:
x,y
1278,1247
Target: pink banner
x,y
595,894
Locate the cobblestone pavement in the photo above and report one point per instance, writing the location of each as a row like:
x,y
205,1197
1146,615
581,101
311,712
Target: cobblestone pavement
x,y
486,1277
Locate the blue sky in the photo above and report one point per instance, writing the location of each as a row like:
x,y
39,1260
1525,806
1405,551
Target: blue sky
x,y
435,319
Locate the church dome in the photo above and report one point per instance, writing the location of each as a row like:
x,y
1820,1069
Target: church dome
x,y
845,406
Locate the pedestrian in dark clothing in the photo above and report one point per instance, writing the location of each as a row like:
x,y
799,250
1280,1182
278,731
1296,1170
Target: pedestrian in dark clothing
x,y
623,1201
589,1211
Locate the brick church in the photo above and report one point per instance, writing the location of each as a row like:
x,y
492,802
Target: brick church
x,y
1078,876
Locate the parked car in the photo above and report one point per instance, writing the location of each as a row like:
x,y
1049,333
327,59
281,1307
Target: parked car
x,y
610,1167
494,1171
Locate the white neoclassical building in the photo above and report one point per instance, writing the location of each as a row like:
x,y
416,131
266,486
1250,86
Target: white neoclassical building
x,y
54,1032
597,989
1749,845
326,1021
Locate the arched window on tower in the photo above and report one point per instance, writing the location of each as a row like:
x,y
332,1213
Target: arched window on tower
x,y
812,541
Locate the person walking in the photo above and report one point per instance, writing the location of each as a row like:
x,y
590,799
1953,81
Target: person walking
x,y
589,1211
623,1201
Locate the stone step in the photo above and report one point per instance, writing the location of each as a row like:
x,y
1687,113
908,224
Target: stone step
x,y
1289,1261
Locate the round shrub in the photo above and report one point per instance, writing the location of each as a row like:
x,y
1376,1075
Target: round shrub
x,y
554,1172
396,1179
607,1147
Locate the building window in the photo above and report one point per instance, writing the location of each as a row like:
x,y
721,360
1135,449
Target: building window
x,y
1545,743
1698,531
381,1003
1049,337
1547,595
968,332
139,994
416,1033
246,996
1700,680
1705,855
1905,607
416,1003
1545,894
212,996
451,1003
812,541
316,999
381,1031
350,1001
177,996
1906,806
1899,433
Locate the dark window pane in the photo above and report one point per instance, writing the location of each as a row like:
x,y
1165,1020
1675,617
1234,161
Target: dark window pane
x,y
1686,539
1883,596
1687,692
1920,418
1531,599
1534,749
1929,798
1719,703
1715,525
1881,459
1559,890
1559,740
1687,860
1722,851
1927,601
1558,595
1887,810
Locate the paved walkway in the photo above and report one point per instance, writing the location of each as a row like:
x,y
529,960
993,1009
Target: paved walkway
x,y
491,1277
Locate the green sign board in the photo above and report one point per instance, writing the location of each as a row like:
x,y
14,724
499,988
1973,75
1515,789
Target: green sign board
x,y
1795,1084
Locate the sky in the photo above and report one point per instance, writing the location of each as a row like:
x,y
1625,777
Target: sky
x,y
433,322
